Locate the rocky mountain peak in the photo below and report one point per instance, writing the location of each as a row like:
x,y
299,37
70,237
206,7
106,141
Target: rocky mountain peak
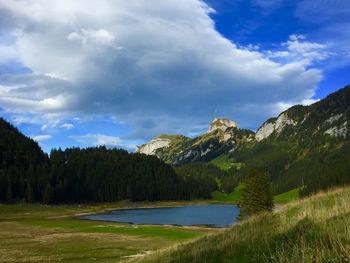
x,y
155,144
222,124
274,124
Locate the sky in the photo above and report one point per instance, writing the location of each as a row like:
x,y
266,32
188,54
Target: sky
x,y
118,73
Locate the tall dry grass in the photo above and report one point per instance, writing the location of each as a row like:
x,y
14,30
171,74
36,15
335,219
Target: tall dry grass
x,y
316,229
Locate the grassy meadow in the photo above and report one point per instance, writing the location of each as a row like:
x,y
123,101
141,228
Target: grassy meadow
x,y
39,233
315,230
223,162
234,197
228,198
312,230
291,195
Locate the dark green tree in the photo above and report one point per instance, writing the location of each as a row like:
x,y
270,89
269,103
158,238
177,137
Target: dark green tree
x,y
256,196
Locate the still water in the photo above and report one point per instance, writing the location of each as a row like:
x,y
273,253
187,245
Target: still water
x,y
204,215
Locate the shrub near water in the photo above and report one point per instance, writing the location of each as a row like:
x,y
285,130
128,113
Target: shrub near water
x,y
312,230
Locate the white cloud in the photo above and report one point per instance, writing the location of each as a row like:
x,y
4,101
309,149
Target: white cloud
x,y
284,106
90,37
40,138
299,49
308,102
22,119
67,126
158,65
104,140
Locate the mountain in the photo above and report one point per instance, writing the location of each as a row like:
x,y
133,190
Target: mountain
x,y
223,136
93,174
305,146
328,117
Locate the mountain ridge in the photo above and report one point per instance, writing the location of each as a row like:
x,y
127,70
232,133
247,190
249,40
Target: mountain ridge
x,y
226,133
222,136
305,147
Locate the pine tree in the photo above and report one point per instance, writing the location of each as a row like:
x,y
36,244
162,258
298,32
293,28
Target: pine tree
x,y
47,194
9,189
256,196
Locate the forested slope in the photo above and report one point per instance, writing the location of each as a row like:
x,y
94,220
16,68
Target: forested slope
x,y
309,147
23,168
86,175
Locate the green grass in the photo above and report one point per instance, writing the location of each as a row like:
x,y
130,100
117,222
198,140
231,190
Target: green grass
x,y
224,163
291,195
310,230
232,197
86,226
40,233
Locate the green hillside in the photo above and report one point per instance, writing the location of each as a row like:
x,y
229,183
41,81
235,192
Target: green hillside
x,y
304,146
232,197
222,162
225,163
312,230
288,196
309,146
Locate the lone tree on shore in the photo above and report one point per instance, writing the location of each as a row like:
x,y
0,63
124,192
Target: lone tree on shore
x,y
256,196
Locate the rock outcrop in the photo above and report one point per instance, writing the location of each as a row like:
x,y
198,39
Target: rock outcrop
x,y
265,130
338,131
329,117
221,124
274,125
155,144
223,136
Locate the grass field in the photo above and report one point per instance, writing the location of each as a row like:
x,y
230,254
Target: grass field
x,y
228,198
291,195
224,163
233,197
39,233
312,230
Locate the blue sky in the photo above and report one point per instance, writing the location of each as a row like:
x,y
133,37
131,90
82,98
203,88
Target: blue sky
x,y
268,23
120,73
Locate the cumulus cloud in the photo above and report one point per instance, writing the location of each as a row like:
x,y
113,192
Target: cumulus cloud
x,y
158,65
93,38
299,49
41,138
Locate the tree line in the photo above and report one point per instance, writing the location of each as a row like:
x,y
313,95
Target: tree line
x,y
87,175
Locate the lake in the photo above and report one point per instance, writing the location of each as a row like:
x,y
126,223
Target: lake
x,y
195,215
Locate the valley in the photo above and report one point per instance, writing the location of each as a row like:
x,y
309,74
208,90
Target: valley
x,y
41,233
299,145
177,131
302,157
